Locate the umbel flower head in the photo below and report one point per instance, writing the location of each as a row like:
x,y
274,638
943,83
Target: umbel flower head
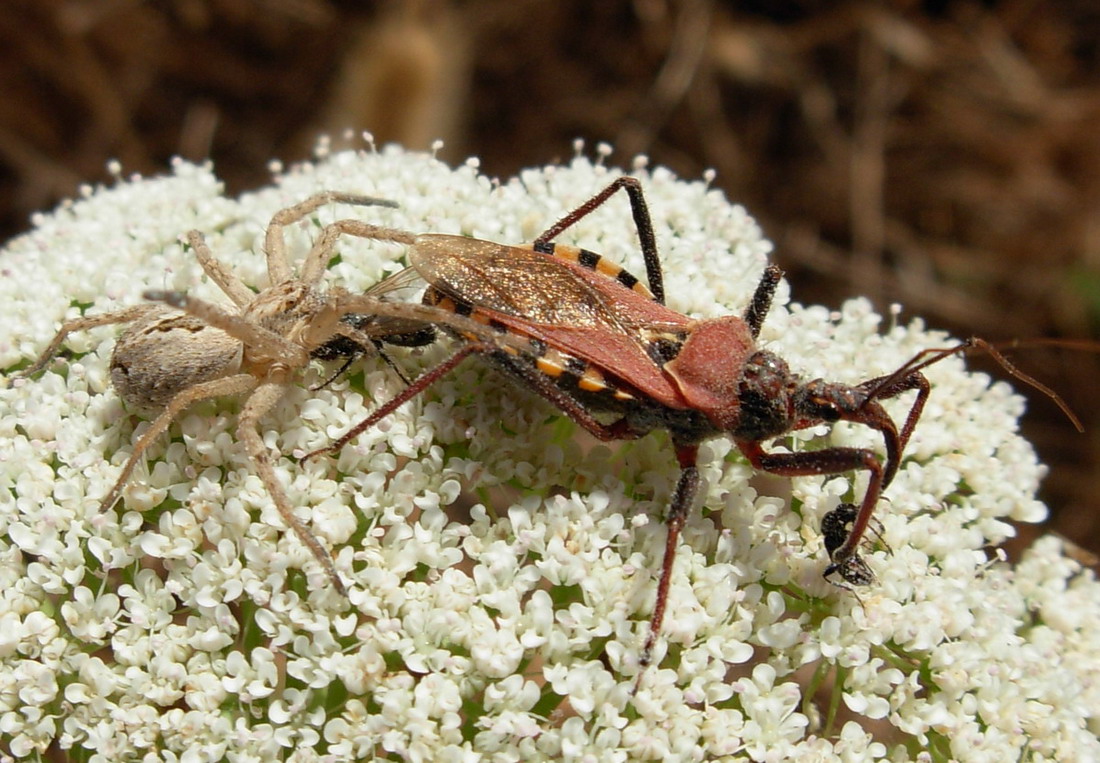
x,y
501,569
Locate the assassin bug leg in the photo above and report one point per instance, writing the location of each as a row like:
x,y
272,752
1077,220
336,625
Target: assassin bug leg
x,y
761,302
907,377
642,222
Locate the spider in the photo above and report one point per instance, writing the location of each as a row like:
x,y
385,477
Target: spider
x,y
178,349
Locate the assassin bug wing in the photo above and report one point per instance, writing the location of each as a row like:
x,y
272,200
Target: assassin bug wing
x,y
597,264
510,281
528,288
594,357
555,285
596,322
401,284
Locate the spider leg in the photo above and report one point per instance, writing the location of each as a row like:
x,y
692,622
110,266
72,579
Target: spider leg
x,y
248,432
278,266
313,267
233,287
227,385
126,315
255,337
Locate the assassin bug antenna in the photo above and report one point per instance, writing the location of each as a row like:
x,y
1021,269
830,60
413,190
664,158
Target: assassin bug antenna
x,y
588,337
931,356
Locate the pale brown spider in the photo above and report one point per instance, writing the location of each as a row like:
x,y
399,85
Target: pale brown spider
x,y
171,358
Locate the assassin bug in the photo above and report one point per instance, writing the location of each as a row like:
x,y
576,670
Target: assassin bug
x,y
170,358
596,343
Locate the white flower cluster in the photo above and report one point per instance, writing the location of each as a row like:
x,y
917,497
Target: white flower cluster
x,y
502,572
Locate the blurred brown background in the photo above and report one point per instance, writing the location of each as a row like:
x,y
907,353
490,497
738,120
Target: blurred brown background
x,y
944,155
